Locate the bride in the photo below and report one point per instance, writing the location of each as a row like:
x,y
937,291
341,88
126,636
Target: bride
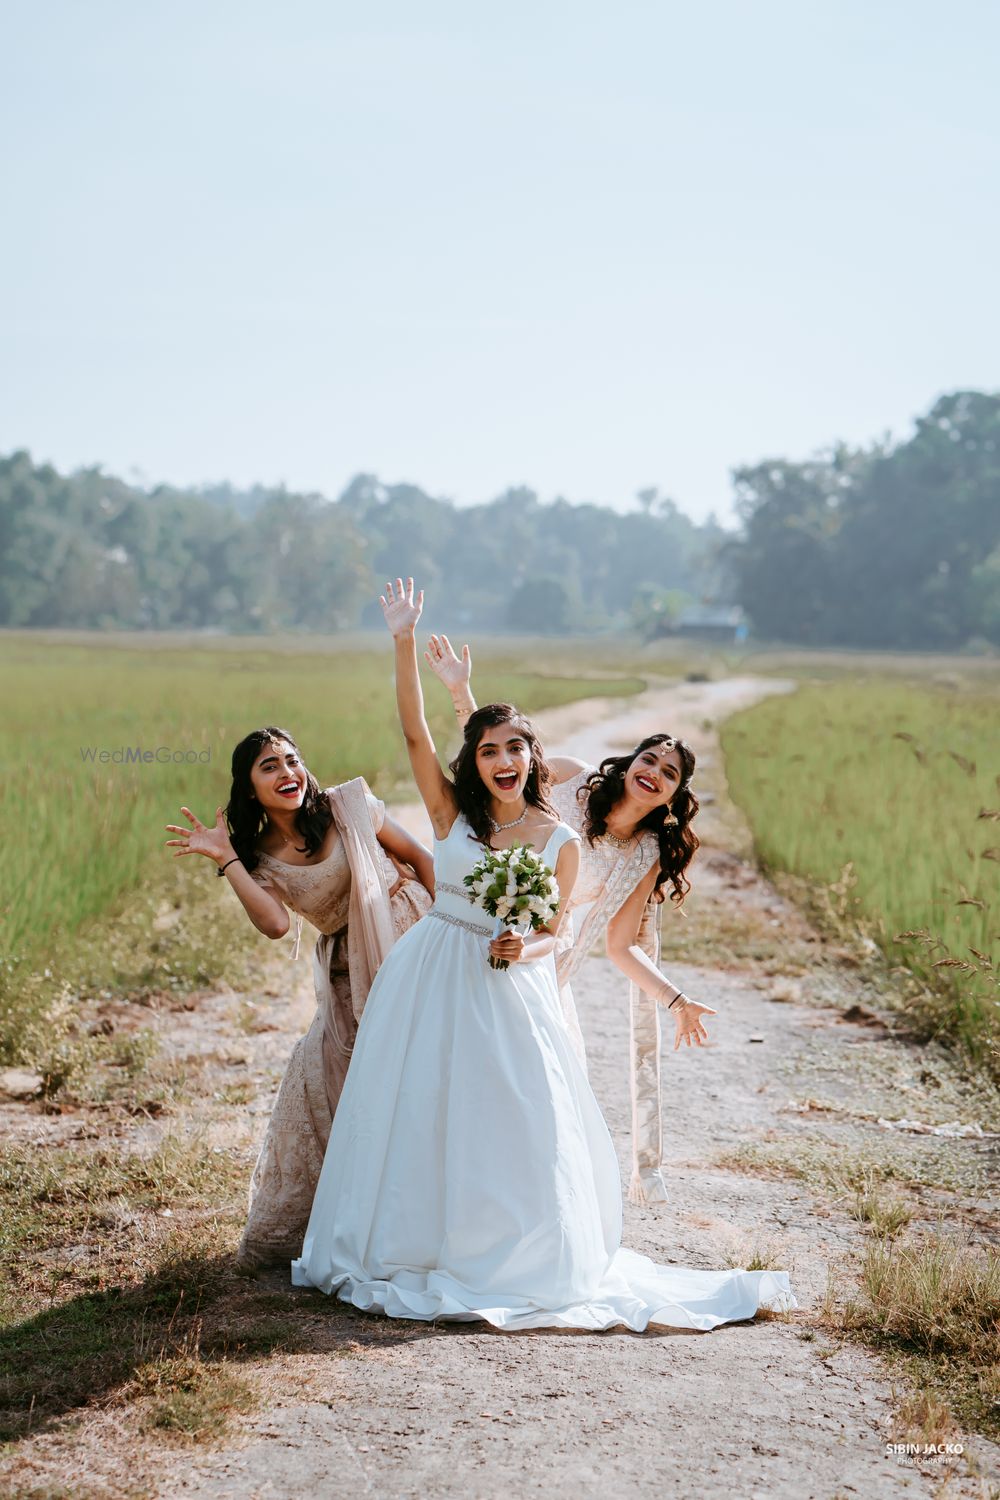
x,y
469,1172
634,814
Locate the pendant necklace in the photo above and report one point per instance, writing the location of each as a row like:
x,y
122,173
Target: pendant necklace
x,y
614,838
497,827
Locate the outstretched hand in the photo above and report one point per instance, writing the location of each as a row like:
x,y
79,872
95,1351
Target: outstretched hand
x,y
453,671
689,1027
399,607
214,842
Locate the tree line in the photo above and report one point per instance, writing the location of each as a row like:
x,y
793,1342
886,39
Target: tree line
x,y
87,550
896,545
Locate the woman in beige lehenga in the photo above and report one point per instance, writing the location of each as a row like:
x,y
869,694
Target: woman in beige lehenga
x,y
334,858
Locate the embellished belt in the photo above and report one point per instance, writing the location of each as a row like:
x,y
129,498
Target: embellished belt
x,y
446,916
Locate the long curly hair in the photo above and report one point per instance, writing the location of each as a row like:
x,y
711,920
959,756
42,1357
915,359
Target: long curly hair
x,y
470,789
678,841
246,818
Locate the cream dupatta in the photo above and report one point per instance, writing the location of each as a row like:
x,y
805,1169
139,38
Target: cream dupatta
x,y
370,928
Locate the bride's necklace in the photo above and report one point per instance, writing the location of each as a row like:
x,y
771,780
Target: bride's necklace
x,y
614,838
499,827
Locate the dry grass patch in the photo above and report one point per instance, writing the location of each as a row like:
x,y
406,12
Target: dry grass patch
x,y
100,1274
754,1255
192,1399
62,1194
160,1326
87,1346
935,1303
846,1171
923,1417
884,1217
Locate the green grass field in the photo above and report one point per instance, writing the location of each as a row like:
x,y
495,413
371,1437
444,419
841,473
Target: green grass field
x,y
84,840
886,794
883,778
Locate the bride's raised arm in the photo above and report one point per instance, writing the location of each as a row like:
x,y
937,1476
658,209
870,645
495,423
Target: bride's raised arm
x,y
456,674
401,613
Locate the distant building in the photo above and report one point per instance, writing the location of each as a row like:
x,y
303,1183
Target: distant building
x,y
726,624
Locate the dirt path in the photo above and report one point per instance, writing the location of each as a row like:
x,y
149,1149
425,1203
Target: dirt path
x,y
781,1407
771,1408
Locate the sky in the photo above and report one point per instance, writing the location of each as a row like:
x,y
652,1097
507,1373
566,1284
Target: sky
x,y
585,247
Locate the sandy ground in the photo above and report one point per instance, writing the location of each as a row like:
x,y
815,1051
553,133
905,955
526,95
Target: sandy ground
x,y
774,1408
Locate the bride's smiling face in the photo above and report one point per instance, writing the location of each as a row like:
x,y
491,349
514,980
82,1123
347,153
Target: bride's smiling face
x,y
654,776
503,760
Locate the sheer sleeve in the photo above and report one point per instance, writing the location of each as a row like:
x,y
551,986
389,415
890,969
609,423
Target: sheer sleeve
x,y
565,798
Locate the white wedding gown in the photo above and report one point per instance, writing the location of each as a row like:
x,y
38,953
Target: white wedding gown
x,y
469,1172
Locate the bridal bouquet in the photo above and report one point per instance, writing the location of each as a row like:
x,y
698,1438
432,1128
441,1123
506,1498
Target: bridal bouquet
x,y
513,885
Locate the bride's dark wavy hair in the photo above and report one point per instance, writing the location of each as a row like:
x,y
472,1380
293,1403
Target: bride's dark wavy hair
x,y
245,816
603,789
470,789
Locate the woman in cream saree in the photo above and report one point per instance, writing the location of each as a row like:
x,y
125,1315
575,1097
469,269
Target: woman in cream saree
x,y
335,860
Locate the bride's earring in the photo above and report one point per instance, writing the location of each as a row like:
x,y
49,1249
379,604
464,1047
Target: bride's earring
x,y
671,822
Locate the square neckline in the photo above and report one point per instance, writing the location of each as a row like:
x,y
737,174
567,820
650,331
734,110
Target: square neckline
x,y
460,817
288,864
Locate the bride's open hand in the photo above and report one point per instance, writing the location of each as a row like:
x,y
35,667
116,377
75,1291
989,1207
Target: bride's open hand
x,y
212,842
400,608
453,671
688,1023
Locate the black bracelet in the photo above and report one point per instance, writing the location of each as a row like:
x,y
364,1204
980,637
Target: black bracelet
x,y
234,861
680,995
